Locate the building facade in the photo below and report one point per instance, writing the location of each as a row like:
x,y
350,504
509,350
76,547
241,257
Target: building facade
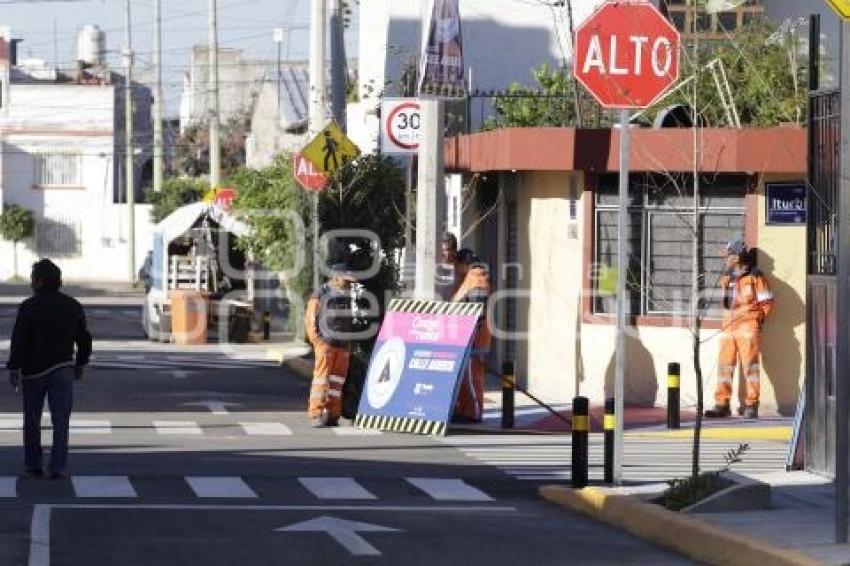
x,y
62,136
552,247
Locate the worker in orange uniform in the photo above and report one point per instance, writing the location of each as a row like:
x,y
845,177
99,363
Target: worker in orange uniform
x,y
476,289
449,277
747,302
328,323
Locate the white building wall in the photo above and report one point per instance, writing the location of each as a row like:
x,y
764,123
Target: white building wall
x,y
503,41
75,119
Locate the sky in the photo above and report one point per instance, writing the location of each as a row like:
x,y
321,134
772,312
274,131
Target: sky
x,y
246,24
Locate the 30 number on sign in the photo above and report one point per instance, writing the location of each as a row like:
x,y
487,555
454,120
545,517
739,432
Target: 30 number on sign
x,y
401,126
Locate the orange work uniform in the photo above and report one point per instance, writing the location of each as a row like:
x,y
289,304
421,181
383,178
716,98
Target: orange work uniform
x,y
470,402
747,301
332,353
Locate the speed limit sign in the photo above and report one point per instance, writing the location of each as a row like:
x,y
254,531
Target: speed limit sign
x,y
401,122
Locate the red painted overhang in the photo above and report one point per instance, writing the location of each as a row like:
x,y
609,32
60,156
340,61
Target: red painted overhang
x,y
724,150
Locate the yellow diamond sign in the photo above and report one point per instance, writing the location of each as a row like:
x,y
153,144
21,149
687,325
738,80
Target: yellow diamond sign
x,y
841,7
330,149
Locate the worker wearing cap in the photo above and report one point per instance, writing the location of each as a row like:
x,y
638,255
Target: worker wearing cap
x,y
747,302
328,325
475,288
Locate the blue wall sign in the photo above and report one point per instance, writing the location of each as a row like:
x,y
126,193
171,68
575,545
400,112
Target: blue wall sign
x,y
785,203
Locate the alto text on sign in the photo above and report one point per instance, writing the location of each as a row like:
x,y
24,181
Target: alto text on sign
x,y
627,54
307,175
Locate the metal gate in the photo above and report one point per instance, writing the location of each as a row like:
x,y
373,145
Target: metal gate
x,y
824,145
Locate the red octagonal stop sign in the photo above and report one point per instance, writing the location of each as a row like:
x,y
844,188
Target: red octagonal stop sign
x,y
626,54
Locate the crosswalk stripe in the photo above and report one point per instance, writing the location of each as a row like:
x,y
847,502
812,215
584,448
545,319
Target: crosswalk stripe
x,y
13,424
355,431
449,489
177,427
220,487
336,488
266,429
103,486
90,427
8,486
533,458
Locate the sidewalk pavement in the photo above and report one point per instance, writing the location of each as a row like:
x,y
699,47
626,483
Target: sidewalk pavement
x,y
801,517
88,293
797,528
638,421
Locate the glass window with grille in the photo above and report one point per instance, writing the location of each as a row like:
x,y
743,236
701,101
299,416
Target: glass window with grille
x,y
57,169
660,242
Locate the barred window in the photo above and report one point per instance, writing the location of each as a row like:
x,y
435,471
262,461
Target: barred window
x,y
57,169
660,241
58,237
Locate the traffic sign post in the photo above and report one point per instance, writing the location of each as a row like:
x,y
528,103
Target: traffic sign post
x,y
627,56
307,175
330,149
401,126
841,7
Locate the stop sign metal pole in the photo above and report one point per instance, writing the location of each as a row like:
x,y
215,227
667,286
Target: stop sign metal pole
x,y
622,268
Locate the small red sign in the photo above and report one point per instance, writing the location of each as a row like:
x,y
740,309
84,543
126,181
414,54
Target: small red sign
x,y
307,175
627,54
224,198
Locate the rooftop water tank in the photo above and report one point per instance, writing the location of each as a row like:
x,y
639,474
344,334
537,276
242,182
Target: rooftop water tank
x,y
91,46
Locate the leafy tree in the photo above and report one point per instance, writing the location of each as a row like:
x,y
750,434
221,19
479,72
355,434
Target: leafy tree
x,y
549,104
16,224
267,198
176,192
552,102
366,194
765,78
192,155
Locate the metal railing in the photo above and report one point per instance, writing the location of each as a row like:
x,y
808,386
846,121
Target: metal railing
x,y
824,161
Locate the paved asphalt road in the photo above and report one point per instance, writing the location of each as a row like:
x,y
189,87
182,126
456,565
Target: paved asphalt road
x,y
183,458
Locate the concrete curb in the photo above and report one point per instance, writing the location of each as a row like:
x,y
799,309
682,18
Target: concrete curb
x,y
745,494
693,537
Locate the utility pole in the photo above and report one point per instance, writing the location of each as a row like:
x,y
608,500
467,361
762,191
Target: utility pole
x,y
278,39
130,168
157,97
215,119
430,199
339,76
842,331
318,94
623,229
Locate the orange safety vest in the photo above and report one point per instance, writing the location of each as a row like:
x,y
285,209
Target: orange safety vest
x,y
476,287
747,298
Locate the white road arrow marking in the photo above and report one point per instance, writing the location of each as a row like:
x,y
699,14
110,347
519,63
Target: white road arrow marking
x,y
344,532
215,407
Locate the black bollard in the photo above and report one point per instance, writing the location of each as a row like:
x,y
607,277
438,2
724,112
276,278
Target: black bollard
x,y
508,384
267,325
673,395
608,425
581,426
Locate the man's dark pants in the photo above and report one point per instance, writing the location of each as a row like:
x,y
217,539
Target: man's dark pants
x,y
58,387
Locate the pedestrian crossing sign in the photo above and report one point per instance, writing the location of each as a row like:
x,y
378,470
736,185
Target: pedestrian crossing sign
x,y
330,149
841,7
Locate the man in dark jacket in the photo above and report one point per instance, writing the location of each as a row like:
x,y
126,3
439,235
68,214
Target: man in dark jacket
x,y
43,361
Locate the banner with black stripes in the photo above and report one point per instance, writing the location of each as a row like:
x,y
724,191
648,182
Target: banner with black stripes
x,y
401,424
419,362
436,307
